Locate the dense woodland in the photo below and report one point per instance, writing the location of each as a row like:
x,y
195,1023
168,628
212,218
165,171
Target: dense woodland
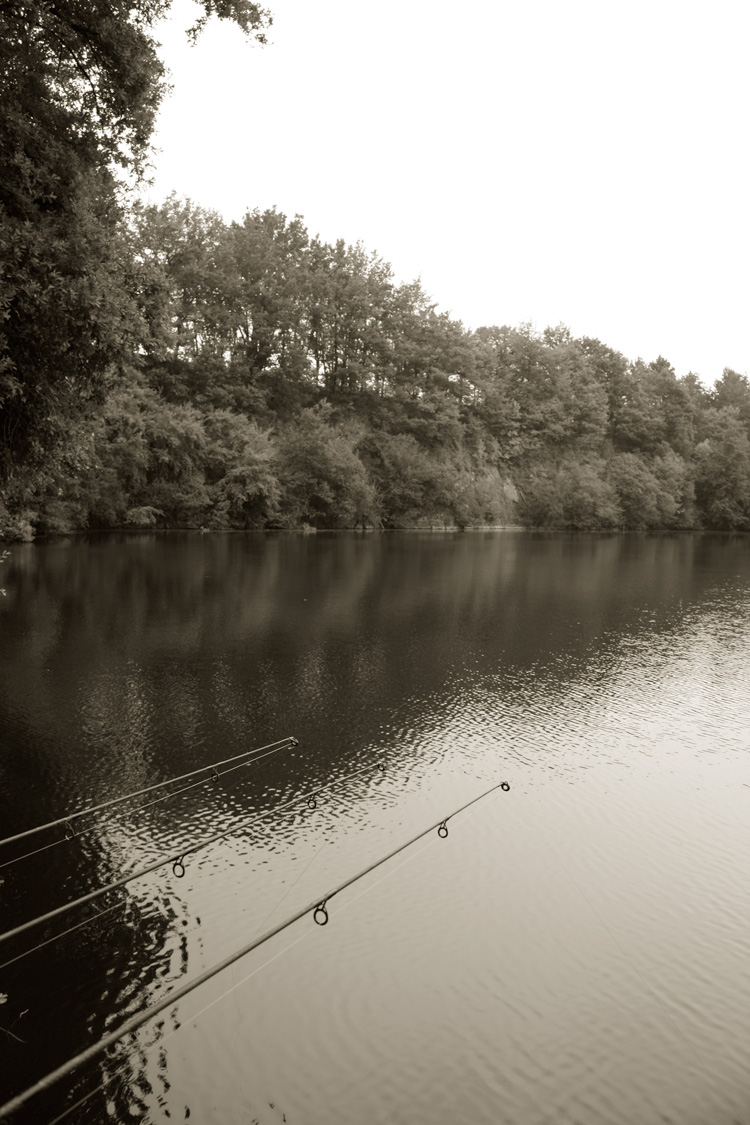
x,y
160,367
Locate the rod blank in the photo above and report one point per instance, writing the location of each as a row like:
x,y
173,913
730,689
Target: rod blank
x,y
137,1021
161,862
140,792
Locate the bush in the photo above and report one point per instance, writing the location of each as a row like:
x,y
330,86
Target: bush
x,y
722,477
569,495
243,487
18,526
642,501
144,517
323,481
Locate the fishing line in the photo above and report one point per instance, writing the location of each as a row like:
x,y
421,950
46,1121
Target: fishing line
x,y
289,889
316,906
140,792
175,858
118,1073
64,933
214,777
37,851
253,972
409,859
273,910
86,1097
115,906
218,999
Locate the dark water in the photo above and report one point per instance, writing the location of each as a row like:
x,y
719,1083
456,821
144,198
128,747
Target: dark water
x,y
577,950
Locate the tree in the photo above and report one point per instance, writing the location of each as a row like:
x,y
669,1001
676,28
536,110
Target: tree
x,y
542,392
157,363
411,483
677,496
733,389
242,487
187,275
269,307
722,473
497,406
80,83
569,494
323,481
642,501
148,454
352,300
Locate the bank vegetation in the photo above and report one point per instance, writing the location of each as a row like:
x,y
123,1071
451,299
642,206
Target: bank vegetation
x,y
160,367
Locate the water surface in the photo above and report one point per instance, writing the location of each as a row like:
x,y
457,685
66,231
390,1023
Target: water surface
x,y
576,951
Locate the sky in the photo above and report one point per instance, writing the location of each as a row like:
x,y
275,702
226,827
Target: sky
x,y
582,162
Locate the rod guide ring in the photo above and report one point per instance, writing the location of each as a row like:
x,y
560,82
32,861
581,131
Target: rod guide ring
x,y
320,914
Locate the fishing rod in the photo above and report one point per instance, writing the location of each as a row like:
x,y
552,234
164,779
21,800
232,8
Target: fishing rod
x,y
123,903
175,858
320,915
117,905
215,776
66,820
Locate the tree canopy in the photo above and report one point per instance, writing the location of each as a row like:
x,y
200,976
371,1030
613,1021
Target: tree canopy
x,y
80,83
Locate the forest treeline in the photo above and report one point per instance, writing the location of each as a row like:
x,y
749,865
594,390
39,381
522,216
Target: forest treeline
x,y
160,367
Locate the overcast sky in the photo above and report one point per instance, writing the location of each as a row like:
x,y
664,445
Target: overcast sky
x,y
575,161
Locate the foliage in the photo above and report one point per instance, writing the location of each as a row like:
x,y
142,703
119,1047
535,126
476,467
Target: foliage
x,y
323,481
722,476
15,525
160,367
650,494
733,390
569,494
146,516
277,380
80,84
411,484
242,486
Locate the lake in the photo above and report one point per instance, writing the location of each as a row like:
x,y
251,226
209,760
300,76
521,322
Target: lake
x,y
577,950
